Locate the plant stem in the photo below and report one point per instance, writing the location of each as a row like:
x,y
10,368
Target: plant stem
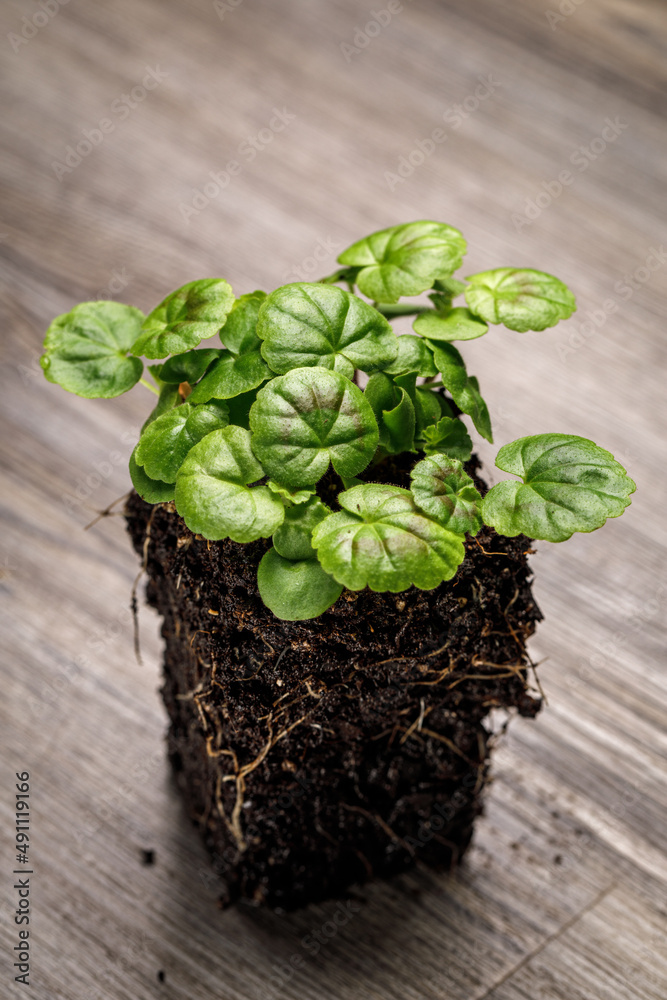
x,y
399,310
149,386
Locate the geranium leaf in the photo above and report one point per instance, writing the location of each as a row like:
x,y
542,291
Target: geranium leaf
x,y
189,366
186,317
414,355
520,298
295,590
569,484
443,490
449,436
312,416
239,334
428,408
292,539
169,398
405,259
381,539
464,388
394,411
292,496
86,350
212,493
231,376
150,490
457,324
303,325
167,440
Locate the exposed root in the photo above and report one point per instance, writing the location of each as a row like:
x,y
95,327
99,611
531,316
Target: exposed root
x,y
107,512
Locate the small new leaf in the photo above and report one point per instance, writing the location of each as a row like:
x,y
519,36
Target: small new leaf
x,y
292,496
212,494
450,436
231,376
303,325
457,324
405,259
150,490
382,540
189,315
520,298
569,484
464,388
444,491
86,350
312,416
295,589
167,440
189,366
293,538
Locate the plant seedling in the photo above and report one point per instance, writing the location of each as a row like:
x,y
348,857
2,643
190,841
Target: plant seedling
x,y
243,433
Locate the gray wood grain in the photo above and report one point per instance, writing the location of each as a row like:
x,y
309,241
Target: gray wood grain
x,y
562,895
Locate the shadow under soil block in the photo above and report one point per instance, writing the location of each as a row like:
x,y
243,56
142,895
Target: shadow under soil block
x,y
313,755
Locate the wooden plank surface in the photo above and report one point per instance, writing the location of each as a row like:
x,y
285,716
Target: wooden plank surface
x,y
563,893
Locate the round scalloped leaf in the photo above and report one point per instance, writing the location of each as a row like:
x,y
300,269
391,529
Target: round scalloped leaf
x,y
150,490
414,355
464,388
382,540
448,436
292,539
303,325
167,440
86,350
231,376
405,259
312,416
239,332
442,488
457,324
212,494
569,484
189,366
295,589
520,298
189,315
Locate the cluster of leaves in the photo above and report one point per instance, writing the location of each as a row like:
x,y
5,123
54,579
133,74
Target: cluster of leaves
x,y
243,433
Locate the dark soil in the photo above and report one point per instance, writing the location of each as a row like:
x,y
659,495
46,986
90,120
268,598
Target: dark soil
x,y
313,755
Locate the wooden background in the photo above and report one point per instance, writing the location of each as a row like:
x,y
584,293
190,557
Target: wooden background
x,y
563,894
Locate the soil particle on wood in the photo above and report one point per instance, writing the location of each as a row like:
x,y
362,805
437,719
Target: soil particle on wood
x,y
313,755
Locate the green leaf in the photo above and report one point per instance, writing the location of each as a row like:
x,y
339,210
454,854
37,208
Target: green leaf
x,y
303,325
239,334
296,496
448,435
86,350
230,376
443,489
212,494
394,411
295,590
292,539
405,259
428,408
414,355
167,440
520,298
186,317
464,388
457,324
189,366
448,288
305,419
569,484
169,398
239,408
382,540
150,490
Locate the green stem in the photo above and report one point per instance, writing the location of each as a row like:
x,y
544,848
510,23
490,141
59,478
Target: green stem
x,y
399,310
149,386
